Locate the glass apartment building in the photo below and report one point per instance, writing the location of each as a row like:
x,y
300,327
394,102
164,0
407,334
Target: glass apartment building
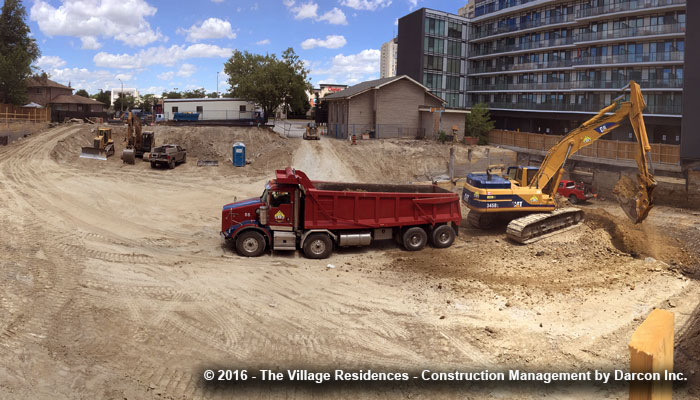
x,y
435,53
549,65
569,58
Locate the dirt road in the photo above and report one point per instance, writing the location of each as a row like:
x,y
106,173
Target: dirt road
x,y
114,284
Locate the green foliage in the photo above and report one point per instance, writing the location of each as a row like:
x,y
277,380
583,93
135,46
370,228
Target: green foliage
x,y
147,102
124,102
442,136
82,92
103,97
195,94
478,123
269,81
17,53
212,95
172,95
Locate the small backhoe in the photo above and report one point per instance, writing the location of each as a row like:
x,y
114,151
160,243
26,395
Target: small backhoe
x,y
526,195
102,147
133,138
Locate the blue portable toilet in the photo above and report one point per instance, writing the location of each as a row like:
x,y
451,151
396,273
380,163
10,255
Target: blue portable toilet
x,y
238,154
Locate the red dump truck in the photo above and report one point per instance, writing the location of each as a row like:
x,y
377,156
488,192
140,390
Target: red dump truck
x,y
295,213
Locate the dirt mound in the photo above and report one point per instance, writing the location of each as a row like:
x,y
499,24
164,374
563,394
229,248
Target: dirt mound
x,y
641,240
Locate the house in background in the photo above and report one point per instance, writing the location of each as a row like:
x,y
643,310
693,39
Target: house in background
x,y
397,106
62,101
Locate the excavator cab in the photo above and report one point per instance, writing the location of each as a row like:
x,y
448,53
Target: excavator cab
x,y
522,176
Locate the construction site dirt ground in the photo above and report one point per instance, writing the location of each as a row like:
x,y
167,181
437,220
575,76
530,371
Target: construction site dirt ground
x,y
115,283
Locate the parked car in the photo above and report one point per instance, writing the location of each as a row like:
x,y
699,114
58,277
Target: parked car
x,y
168,154
575,192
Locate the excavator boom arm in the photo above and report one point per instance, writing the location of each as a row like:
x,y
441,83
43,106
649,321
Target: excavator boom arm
x,y
552,168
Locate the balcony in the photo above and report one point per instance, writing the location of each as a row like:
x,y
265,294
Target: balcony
x,y
653,30
663,57
541,44
590,108
506,68
626,6
490,30
520,86
617,84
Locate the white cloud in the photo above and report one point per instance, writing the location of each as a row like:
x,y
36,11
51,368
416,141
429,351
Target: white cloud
x,y
307,10
49,62
186,70
90,80
160,56
166,76
263,42
288,3
412,4
352,68
217,1
255,7
212,28
123,20
370,5
335,17
331,42
90,43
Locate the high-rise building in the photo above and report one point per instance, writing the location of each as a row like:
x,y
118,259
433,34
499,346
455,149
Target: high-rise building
x,y
387,61
549,65
467,11
433,51
568,59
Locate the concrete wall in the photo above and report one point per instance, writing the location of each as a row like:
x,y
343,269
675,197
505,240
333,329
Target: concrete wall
x,y
453,119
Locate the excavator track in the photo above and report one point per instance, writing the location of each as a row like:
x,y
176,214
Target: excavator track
x,y
534,227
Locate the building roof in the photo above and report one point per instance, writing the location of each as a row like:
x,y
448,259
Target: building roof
x,y
206,99
362,87
39,82
74,99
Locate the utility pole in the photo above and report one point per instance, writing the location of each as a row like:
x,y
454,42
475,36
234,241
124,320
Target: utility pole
x,y
217,84
121,95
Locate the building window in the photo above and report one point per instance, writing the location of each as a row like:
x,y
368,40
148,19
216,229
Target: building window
x,y
200,109
454,48
452,83
38,90
174,109
454,30
432,81
241,108
432,62
434,26
433,45
453,66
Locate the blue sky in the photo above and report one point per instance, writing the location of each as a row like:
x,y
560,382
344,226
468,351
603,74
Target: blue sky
x,y
157,46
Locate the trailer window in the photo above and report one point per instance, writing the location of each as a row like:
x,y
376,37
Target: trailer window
x,y
279,198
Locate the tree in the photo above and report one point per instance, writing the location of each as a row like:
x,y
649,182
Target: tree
x,y
212,95
478,123
172,95
268,81
103,97
17,53
147,102
124,102
82,92
195,94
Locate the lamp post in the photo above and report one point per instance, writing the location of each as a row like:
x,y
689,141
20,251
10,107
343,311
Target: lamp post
x,y
121,95
217,84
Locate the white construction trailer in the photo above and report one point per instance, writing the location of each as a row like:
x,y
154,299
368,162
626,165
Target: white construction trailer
x,y
210,109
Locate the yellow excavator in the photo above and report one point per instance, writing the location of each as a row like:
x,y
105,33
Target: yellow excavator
x,y
102,147
526,195
133,138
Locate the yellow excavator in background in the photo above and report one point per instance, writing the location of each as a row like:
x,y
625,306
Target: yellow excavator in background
x,y
526,195
102,147
133,138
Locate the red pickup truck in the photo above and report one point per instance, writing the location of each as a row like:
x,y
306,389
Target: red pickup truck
x,y
295,213
575,192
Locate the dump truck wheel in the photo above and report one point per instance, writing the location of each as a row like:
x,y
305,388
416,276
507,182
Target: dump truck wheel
x,y
443,236
414,239
318,246
250,244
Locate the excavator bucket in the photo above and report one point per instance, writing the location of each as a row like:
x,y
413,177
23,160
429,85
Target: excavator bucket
x,y
93,153
635,198
129,156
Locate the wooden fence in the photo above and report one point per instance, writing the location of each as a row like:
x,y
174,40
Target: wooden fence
x,y
9,112
609,149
